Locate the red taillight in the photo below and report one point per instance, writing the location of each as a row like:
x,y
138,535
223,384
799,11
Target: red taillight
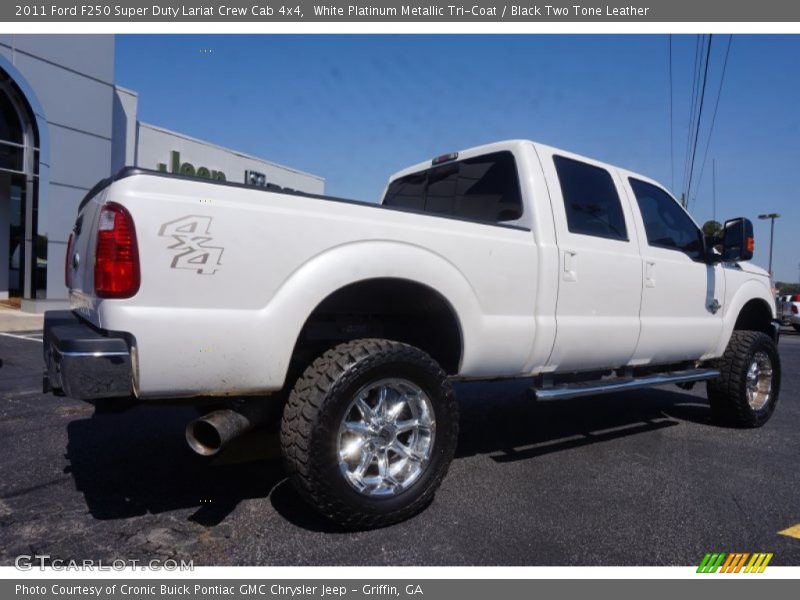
x,y
796,298
794,309
67,262
116,258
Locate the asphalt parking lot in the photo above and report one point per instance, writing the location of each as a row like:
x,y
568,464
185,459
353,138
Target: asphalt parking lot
x,y
626,479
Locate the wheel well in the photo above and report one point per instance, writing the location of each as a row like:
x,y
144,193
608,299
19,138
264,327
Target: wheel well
x,y
394,309
755,316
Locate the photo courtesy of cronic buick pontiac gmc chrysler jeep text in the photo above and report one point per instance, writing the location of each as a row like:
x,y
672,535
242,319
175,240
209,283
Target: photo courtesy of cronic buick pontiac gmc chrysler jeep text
x,y
349,320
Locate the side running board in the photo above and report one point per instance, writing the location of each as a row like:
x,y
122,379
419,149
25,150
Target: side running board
x,y
591,388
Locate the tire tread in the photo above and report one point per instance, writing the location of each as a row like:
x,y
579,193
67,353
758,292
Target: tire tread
x,y
726,393
305,415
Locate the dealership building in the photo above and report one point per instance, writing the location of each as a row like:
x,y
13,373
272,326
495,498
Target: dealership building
x,y
64,125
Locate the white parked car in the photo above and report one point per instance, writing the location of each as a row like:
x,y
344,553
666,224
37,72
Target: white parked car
x,y
792,313
513,259
783,305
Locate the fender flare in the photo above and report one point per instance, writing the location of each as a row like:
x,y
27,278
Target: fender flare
x,y
324,274
752,289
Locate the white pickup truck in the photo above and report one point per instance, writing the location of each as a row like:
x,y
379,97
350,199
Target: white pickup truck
x,y
513,259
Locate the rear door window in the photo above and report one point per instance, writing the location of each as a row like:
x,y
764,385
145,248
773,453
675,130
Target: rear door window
x,y
590,199
485,188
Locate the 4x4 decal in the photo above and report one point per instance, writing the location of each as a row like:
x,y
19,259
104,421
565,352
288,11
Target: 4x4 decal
x,y
192,236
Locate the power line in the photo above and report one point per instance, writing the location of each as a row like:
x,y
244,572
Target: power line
x,y
699,118
692,111
714,115
698,71
671,126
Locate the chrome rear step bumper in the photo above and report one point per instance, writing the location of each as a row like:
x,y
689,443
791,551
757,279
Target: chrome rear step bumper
x,y
83,362
591,388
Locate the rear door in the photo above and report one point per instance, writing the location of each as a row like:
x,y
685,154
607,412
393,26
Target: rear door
x,y
682,295
600,270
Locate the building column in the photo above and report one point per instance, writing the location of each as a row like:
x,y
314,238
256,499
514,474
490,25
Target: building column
x,y
5,232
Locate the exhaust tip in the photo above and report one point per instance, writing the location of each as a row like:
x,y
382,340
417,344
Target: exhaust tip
x,y
211,433
203,437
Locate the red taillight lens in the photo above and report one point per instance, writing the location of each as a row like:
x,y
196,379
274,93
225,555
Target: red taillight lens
x,y
116,258
67,262
794,309
796,298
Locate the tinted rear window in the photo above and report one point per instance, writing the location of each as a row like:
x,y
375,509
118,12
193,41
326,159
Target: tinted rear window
x,y
484,188
590,199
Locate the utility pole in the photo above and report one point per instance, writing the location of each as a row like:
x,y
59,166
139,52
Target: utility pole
x,y
714,189
771,217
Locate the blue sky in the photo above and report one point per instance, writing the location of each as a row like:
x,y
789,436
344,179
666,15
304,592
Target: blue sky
x,y
354,109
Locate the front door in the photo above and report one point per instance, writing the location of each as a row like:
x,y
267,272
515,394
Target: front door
x,y
682,295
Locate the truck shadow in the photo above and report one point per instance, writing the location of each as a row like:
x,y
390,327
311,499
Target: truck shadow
x,y
511,426
136,462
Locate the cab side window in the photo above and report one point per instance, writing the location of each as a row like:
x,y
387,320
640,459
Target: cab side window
x,y
666,223
590,199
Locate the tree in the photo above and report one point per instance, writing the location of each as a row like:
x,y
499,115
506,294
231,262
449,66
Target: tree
x,y
712,229
785,288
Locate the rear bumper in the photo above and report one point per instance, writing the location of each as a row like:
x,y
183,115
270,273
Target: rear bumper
x,y
83,362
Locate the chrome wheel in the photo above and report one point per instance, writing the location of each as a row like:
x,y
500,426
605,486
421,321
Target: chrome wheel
x,y
386,437
759,381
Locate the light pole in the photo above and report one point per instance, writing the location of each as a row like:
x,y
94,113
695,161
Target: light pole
x,y
771,217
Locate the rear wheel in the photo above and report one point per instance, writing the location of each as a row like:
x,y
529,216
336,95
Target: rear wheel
x,y
746,392
369,432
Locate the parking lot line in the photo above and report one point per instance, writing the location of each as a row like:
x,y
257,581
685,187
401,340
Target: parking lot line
x,y
793,531
29,337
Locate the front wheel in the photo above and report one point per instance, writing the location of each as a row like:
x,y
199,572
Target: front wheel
x,y
746,392
369,432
